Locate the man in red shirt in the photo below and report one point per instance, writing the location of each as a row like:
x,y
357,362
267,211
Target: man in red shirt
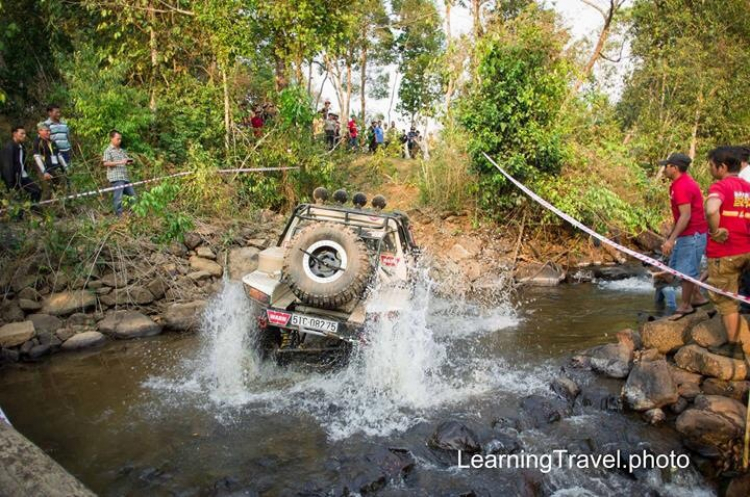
x,y
728,215
353,133
687,241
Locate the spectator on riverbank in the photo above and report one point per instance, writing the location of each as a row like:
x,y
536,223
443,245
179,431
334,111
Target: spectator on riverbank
x,y
744,154
51,164
13,164
371,141
330,129
379,135
257,122
60,133
728,252
686,243
353,133
115,159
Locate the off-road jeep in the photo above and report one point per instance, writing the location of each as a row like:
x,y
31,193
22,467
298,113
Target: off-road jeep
x,y
314,289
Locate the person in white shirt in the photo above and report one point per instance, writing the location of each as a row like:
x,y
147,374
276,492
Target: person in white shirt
x,y
744,155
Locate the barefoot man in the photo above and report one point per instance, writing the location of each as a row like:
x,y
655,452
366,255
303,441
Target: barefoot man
x,y
687,241
728,211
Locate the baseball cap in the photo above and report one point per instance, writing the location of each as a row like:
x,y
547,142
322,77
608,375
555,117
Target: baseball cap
x,y
42,125
677,160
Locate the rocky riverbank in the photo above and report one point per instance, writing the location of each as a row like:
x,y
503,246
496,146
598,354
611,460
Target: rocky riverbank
x,y
683,373
130,290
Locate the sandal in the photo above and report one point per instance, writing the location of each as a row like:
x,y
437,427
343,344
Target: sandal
x,y
680,314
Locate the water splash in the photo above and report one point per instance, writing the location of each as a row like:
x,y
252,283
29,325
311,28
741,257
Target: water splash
x,y
633,284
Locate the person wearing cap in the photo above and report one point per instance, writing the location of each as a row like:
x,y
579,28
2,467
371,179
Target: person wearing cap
x,y
330,128
686,243
326,109
728,251
50,162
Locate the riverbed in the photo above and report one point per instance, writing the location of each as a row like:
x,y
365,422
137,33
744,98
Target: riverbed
x,y
199,414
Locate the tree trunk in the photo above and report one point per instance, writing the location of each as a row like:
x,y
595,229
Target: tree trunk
x,y
449,37
227,111
348,100
603,35
154,55
281,77
476,18
393,96
363,75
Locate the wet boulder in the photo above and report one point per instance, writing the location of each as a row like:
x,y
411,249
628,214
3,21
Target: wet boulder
x,y
709,333
699,360
667,336
630,338
64,303
84,340
209,266
712,423
454,436
650,386
540,411
128,324
504,443
599,397
14,334
565,388
736,390
688,384
612,359
184,317
654,416
739,486
540,274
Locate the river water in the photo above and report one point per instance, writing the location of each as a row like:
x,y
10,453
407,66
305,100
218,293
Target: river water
x,y
201,415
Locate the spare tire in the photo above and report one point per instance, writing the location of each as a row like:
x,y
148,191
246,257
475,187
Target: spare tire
x,y
327,265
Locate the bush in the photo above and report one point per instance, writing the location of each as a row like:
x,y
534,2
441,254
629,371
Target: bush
x,y
446,180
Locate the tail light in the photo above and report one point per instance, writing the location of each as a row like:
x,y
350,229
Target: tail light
x,y
259,296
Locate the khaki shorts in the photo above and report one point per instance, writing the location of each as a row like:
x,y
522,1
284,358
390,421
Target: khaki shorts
x,y
724,273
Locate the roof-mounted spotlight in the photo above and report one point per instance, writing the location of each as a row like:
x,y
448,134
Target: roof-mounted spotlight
x,y
340,196
378,202
320,195
359,200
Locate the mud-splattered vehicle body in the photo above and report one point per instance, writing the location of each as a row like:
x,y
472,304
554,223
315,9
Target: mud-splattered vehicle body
x,y
314,289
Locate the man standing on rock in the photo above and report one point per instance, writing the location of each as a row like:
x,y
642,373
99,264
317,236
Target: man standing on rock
x,y
687,242
728,212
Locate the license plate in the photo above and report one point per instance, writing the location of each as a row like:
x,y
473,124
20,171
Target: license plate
x,y
313,323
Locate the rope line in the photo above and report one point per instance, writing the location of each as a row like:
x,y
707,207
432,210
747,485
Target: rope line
x,y
603,239
100,191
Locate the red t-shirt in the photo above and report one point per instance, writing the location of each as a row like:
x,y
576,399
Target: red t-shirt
x,y
684,190
734,194
353,128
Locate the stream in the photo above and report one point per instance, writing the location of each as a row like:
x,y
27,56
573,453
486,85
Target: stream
x,y
199,414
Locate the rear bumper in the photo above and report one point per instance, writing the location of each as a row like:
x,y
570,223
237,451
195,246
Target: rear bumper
x,y
327,327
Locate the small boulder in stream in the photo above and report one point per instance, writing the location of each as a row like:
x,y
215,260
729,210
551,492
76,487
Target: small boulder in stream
x,y
128,324
540,274
540,411
184,317
611,359
712,423
667,336
650,386
699,360
454,436
84,340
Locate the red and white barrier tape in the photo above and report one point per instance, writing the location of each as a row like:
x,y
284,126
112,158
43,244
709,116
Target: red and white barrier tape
x,y
603,239
153,180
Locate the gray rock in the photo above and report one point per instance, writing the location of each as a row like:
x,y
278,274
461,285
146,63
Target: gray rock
x,y
27,305
64,333
62,304
184,317
14,334
709,333
199,275
29,294
177,249
60,282
205,252
242,261
699,360
565,387
630,338
540,411
128,324
736,390
81,321
654,416
211,267
688,384
157,287
136,295
84,340
26,347
712,422
612,359
9,355
540,275
668,336
10,311
39,351
116,280
650,386
454,436
192,240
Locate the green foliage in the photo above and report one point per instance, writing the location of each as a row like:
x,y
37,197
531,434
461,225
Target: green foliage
x,y
155,206
296,108
447,181
103,101
513,111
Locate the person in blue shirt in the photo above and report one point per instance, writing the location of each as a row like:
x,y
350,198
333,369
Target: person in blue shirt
x,y
379,135
59,132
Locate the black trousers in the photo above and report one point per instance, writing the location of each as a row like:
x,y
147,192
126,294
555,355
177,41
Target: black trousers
x,y
31,189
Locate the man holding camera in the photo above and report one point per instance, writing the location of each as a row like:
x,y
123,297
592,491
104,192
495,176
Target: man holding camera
x,y
115,159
